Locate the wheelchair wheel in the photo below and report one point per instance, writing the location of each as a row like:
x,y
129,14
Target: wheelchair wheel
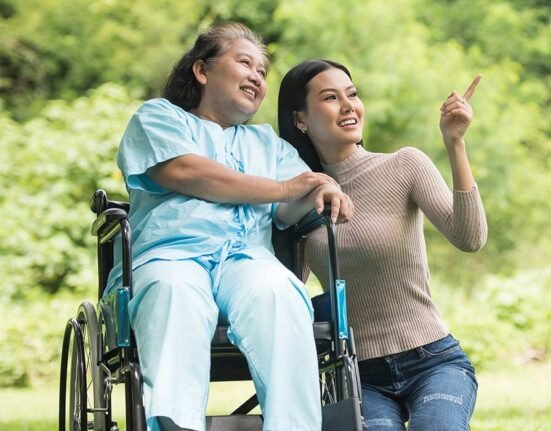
x,y
345,375
328,386
85,389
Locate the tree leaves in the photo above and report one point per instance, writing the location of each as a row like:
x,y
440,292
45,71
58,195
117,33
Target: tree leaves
x,y
50,168
405,60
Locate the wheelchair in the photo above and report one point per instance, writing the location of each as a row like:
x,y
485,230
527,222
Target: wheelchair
x,y
99,350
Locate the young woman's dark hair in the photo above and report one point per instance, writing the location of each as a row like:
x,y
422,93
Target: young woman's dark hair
x,y
292,98
182,89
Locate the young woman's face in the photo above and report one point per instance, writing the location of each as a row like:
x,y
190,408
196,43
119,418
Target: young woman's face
x,y
234,86
334,114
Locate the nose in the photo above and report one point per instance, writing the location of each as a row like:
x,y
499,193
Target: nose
x,y
255,78
347,106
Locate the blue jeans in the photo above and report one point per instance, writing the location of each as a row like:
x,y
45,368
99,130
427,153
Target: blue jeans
x,y
432,387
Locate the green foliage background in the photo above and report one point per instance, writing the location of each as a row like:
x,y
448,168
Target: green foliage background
x,y
73,72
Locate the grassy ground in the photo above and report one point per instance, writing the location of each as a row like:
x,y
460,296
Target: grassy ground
x,y
512,398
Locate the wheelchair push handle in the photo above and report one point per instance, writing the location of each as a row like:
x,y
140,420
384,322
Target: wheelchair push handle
x,y
100,203
312,221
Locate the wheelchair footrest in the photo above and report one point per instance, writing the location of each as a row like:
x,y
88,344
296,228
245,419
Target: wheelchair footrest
x,y
344,415
234,423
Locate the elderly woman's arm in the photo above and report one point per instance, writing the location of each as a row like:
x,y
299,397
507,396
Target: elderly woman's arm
x,y
200,177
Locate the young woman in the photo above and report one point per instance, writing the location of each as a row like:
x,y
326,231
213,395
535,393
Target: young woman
x,y
412,370
204,189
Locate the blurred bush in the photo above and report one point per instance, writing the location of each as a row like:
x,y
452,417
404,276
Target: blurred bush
x,y
503,321
72,73
31,336
53,164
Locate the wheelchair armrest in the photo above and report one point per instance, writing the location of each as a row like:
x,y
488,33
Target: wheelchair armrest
x,y
107,225
311,221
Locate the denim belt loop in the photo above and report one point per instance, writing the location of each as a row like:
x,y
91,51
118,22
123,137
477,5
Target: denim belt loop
x,y
421,352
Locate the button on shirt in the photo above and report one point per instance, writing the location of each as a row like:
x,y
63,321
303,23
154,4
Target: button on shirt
x,y
172,226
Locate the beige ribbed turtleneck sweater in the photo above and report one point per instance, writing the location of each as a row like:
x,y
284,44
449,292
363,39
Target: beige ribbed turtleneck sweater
x,y
382,251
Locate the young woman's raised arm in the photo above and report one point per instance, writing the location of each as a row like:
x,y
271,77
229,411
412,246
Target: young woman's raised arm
x,y
456,117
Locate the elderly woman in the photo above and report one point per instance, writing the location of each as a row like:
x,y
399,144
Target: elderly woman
x,y
204,189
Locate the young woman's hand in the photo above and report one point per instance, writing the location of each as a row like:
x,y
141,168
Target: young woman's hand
x,y
342,207
456,115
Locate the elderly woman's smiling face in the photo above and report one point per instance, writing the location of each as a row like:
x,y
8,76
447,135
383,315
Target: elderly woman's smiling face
x,y
234,86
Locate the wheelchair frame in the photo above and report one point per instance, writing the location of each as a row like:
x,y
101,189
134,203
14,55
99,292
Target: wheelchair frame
x,y
99,351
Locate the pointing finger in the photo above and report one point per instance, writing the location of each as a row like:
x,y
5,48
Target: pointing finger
x,y
470,91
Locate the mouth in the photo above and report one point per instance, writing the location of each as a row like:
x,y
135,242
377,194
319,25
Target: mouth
x,y
347,122
250,91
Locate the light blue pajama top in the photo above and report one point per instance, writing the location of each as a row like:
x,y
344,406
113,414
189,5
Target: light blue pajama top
x,y
171,226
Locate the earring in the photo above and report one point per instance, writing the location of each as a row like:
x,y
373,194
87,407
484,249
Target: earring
x,y
303,131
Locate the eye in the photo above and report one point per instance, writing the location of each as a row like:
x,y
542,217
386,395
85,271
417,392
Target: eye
x,y
262,72
245,61
353,94
330,97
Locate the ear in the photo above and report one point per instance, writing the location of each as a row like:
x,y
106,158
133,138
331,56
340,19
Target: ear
x,y
199,69
300,121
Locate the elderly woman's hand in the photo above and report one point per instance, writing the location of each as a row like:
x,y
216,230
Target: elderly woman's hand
x,y
301,185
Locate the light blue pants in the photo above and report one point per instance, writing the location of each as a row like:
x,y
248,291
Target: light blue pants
x,y
174,313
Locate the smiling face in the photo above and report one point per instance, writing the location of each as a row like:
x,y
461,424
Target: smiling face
x,y
234,86
333,118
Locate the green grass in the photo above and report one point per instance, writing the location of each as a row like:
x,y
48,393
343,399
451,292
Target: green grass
x,y
28,410
511,398
514,398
